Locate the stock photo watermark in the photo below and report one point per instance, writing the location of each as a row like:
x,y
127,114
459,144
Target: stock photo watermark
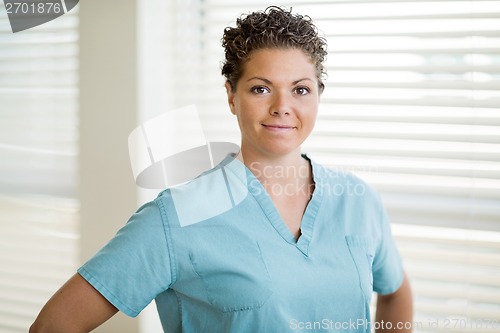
x,y
27,14
451,324
347,187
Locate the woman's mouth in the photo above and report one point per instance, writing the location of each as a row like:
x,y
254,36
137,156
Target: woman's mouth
x,y
278,127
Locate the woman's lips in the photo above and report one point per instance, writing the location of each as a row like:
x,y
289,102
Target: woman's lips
x,y
278,127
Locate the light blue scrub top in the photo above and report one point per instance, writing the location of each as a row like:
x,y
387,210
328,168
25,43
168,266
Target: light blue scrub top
x,y
216,256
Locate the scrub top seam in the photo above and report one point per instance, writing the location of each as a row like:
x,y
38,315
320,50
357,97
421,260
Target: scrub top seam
x,y
168,236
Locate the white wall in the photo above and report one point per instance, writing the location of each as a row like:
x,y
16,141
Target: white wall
x,y
155,89
108,112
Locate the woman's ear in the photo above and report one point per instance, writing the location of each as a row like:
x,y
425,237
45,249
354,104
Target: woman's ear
x,y
230,96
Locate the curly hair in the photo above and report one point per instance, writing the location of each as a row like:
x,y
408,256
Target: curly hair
x,y
272,28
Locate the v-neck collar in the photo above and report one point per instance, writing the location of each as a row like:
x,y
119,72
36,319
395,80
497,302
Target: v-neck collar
x,y
265,202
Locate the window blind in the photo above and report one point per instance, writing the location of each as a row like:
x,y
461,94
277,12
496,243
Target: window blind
x,y
411,105
38,165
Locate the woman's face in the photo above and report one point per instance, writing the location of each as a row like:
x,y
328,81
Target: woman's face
x,y
276,101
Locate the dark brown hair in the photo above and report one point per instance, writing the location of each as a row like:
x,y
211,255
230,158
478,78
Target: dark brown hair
x,y
274,27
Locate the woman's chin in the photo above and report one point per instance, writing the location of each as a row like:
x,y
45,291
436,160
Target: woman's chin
x,y
282,150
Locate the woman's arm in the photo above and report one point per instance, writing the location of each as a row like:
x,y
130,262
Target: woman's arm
x,y
396,308
76,307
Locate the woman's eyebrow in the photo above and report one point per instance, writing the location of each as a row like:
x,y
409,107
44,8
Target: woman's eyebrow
x,y
304,79
270,82
259,78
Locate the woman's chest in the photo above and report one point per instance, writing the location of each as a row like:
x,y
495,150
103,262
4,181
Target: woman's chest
x,y
233,271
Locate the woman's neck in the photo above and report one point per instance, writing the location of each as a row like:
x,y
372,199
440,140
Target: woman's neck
x,y
283,170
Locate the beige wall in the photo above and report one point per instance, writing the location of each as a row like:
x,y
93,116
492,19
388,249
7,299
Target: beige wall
x,y
108,107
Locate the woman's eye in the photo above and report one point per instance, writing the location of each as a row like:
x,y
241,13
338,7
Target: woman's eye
x,y
260,90
302,90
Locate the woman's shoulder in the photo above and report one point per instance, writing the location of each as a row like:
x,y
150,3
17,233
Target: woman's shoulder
x,y
210,194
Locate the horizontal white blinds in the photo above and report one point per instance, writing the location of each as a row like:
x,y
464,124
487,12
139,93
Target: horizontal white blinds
x,y
415,100
38,165
455,275
38,252
412,104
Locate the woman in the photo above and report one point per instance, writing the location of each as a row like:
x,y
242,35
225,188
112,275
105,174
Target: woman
x,y
267,241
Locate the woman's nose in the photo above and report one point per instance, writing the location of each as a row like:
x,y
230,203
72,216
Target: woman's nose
x,y
280,105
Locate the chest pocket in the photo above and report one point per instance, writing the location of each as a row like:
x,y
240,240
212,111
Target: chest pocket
x,y
362,250
235,277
